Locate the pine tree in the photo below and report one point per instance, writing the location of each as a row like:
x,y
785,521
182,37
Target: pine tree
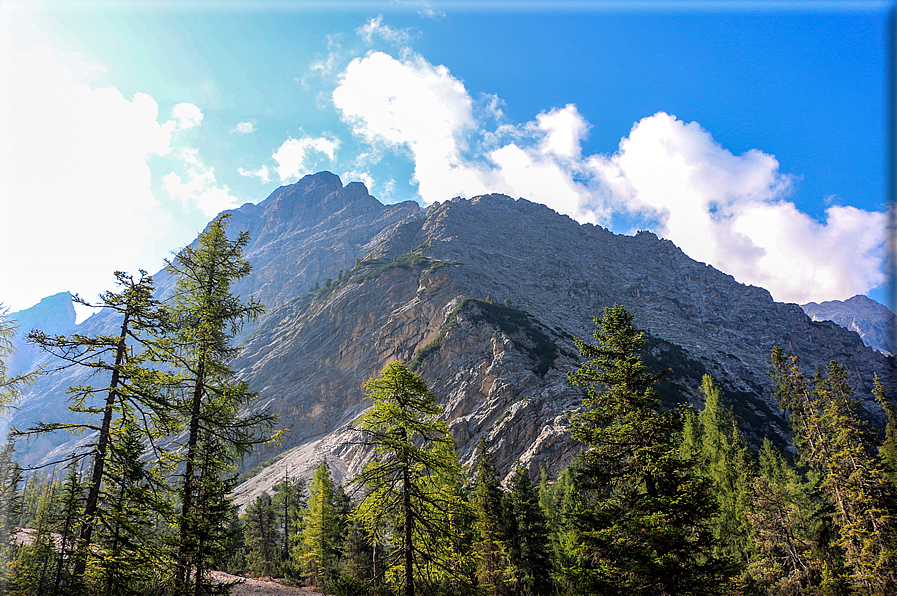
x,y
132,496
407,501
552,499
644,525
32,569
70,516
724,459
526,537
832,439
205,317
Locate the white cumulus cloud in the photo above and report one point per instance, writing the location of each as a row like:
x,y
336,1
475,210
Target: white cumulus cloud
x,y
199,190
244,128
263,173
295,157
733,212
413,104
187,115
375,27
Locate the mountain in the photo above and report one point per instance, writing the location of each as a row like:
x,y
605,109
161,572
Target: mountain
x,y
54,315
483,297
876,324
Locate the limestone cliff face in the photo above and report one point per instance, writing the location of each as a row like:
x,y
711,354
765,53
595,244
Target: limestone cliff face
x,y
875,324
483,297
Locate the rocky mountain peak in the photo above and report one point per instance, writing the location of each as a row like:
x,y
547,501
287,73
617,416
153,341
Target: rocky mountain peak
x,y
875,324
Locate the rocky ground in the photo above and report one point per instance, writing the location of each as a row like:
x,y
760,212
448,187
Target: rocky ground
x,y
246,586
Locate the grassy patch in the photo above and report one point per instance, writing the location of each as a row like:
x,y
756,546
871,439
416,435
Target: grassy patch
x,y
509,320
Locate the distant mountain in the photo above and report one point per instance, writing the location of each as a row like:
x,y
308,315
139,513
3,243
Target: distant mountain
x,y
484,297
54,315
873,321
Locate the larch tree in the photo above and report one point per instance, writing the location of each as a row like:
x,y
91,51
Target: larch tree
x,y
408,502
320,538
131,385
832,439
205,316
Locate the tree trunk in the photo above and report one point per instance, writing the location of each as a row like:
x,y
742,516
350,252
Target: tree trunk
x,y
99,461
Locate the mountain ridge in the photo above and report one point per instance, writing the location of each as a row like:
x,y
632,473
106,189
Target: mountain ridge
x,y
486,295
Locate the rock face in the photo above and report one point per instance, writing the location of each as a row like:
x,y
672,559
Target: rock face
x,y
483,297
876,324
54,315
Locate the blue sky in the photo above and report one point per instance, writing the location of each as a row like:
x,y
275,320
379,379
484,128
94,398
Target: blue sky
x,y
749,133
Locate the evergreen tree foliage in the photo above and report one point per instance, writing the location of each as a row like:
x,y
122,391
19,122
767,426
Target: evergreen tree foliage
x,y
526,538
131,558
262,553
11,386
832,439
32,568
789,532
205,316
70,515
486,500
409,504
644,523
722,457
10,509
131,385
288,503
887,452
553,498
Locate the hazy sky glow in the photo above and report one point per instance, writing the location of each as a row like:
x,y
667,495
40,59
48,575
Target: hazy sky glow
x,y
748,133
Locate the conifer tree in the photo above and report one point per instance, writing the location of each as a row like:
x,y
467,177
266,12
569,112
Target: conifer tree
x,y
10,509
321,537
643,526
131,385
486,500
407,503
32,569
205,317
262,554
133,494
288,503
833,440
723,458
526,537
887,452
70,510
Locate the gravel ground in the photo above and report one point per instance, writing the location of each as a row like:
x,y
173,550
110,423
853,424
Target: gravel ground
x,y
257,587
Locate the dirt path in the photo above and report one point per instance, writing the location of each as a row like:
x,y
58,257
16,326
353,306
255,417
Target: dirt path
x,y
257,587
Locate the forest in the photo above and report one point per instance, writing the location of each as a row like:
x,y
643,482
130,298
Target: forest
x,y
658,500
